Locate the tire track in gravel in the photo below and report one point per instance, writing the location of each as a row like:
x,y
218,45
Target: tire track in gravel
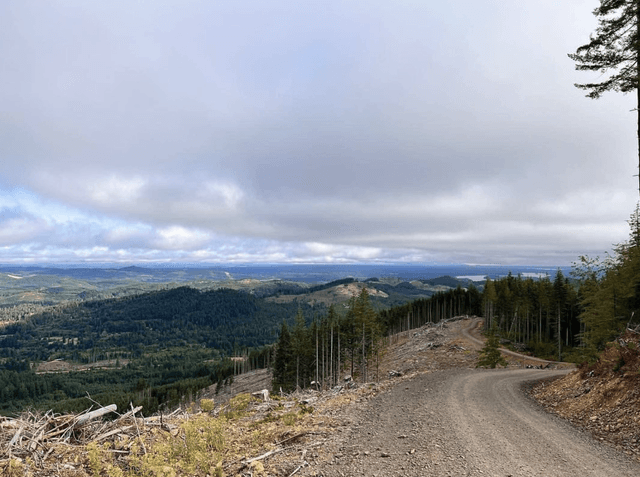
x,y
467,422
506,433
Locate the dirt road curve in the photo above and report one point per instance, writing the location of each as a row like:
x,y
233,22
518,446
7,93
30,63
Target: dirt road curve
x,y
467,422
471,332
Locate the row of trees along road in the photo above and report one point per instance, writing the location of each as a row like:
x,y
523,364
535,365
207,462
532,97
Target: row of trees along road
x,y
581,315
539,313
321,351
559,318
610,290
354,341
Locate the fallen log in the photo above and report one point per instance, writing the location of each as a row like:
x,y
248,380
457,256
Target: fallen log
x,y
82,419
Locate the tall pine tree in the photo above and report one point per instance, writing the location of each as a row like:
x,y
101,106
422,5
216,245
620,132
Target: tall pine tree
x,y
615,48
284,372
612,297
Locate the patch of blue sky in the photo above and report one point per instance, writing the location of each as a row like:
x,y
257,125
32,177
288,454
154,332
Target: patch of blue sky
x,y
25,202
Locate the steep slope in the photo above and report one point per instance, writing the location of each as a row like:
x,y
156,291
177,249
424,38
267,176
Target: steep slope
x,y
603,398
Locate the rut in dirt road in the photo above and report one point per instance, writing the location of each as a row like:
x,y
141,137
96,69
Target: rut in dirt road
x,y
468,423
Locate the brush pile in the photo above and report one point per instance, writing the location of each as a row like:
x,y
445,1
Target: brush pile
x,y
44,441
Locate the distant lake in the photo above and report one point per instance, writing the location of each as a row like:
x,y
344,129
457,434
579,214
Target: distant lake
x,y
308,273
319,273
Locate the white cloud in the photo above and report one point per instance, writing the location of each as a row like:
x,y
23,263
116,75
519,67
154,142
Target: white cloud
x,y
331,252
229,193
180,238
116,190
19,230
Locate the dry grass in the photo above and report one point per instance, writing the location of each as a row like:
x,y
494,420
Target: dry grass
x,y
243,435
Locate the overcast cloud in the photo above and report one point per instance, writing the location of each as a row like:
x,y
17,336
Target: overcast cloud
x,y
289,131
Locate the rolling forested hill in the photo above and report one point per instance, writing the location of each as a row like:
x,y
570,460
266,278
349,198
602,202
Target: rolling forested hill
x,y
161,345
220,319
156,347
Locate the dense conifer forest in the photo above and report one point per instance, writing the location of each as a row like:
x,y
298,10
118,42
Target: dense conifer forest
x,y
173,342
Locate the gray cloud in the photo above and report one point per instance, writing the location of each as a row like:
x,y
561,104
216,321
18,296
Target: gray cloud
x,y
307,131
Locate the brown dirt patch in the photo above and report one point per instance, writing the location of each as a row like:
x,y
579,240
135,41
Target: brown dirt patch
x,y
61,366
337,294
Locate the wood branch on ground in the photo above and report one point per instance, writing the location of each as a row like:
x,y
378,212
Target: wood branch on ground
x,y
37,434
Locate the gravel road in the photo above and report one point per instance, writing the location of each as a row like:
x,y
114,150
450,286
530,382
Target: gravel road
x,y
465,422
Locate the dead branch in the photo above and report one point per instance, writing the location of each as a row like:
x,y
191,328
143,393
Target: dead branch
x,y
304,464
291,438
144,448
263,456
119,430
16,436
131,412
94,414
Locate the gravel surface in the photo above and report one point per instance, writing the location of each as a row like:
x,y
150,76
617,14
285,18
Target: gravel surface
x,y
466,422
462,422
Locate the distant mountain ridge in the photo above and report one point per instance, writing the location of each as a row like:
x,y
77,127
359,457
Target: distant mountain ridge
x,y
307,273
48,285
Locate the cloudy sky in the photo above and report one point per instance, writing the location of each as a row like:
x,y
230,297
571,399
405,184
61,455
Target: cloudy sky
x,y
307,131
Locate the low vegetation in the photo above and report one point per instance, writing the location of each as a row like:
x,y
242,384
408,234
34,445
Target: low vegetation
x,y
211,440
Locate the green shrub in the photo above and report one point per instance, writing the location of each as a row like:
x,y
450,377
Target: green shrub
x,y
207,405
490,355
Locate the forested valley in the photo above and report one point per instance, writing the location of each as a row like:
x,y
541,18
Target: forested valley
x,y
166,346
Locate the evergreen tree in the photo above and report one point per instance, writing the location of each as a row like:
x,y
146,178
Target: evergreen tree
x,y
303,351
490,355
334,331
349,334
367,328
489,298
559,300
614,48
284,365
612,290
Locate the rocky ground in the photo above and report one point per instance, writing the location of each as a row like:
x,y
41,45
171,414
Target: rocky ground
x,y
603,399
419,419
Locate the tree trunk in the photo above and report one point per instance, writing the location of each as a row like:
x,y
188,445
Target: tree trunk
x,y
638,85
339,362
559,337
540,326
325,356
331,359
364,359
